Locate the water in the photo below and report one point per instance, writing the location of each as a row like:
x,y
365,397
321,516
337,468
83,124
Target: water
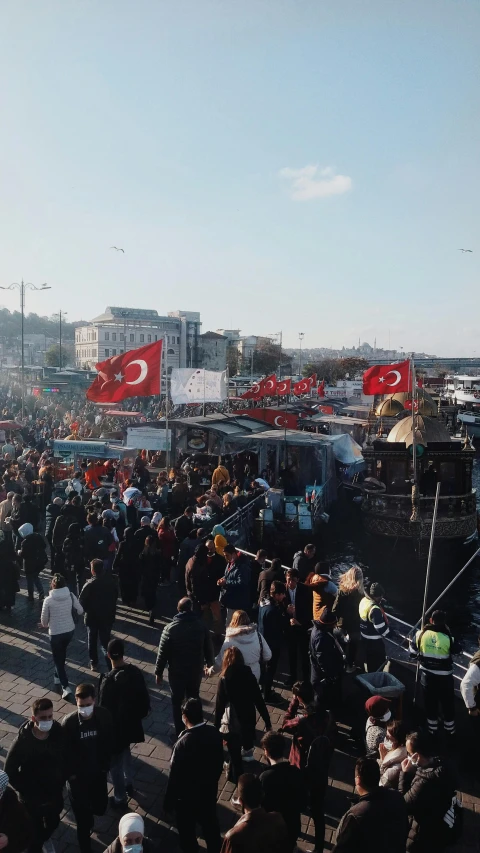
x,y
403,575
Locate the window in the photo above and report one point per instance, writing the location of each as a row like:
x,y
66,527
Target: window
x,y
107,336
142,339
149,339
122,350
122,336
114,336
156,338
107,352
132,338
114,351
178,340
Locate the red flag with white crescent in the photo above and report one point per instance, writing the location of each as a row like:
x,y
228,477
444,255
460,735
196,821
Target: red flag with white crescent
x,y
283,387
387,378
304,386
321,388
135,373
256,392
270,385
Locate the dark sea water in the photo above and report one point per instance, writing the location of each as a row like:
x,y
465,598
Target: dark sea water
x,y
402,573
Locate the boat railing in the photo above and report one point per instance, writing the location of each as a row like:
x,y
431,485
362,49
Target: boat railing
x,y
448,505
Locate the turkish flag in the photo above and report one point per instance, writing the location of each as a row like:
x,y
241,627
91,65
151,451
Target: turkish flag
x,y
321,388
256,392
135,373
387,378
271,416
283,387
270,385
419,382
304,386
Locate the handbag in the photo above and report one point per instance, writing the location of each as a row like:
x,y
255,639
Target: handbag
x,y
74,612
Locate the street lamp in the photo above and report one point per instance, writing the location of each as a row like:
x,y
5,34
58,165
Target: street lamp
x,y
60,315
301,336
22,287
125,314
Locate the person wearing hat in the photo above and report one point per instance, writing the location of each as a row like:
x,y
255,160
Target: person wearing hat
x,y
373,628
379,713
327,660
15,825
131,836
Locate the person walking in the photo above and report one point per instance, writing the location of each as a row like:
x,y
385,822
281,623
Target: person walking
x,y
185,647
35,764
378,821
124,694
235,583
237,701
212,611
428,789
99,601
51,514
150,565
433,646
373,628
299,610
327,660
131,836
346,609
98,539
88,733
65,518
57,615
34,557
257,831
9,573
126,565
184,524
283,785
15,825
168,547
195,768
73,551
272,625
246,637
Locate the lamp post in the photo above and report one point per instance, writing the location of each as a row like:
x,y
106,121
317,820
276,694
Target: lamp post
x,y
301,336
22,287
60,315
124,314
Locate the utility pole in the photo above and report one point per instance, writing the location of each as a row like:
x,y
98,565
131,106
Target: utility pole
x,y
301,336
22,287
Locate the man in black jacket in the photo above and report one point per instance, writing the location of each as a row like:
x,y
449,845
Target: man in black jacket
x,y
272,624
51,514
283,785
66,517
124,693
300,610
97,538
195,768
35,765
184,524
185,646
99,601
304,562
327,660
378,822
88,735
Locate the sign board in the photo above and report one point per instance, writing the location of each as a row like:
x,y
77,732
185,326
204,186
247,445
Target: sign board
x,y
91,450
149,438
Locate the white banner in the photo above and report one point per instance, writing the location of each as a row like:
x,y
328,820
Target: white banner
x,y
191,385
148,438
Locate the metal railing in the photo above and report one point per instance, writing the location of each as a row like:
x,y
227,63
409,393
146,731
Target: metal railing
x,y
243,519
448,505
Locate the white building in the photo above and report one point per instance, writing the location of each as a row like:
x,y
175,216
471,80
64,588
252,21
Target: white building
x,y
121,329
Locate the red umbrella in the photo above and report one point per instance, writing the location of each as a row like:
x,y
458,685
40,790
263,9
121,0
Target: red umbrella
x,y
10,425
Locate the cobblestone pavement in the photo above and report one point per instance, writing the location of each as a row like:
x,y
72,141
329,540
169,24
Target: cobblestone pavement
x,y
26,672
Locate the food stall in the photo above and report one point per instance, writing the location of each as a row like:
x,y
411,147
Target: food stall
x,y
68,456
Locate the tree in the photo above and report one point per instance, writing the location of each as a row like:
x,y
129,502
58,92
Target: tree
x,y
334,369
52,355
233,360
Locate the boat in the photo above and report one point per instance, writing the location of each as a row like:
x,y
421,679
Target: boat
x,y
402,471
471,422
463,391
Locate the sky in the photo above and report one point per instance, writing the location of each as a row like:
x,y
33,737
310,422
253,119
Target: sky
x,y
297,165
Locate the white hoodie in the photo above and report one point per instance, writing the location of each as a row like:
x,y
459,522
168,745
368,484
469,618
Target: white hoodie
x,y
246,638
57,611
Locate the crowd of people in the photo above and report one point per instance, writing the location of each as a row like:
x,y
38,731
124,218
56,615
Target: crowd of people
x,y
253,623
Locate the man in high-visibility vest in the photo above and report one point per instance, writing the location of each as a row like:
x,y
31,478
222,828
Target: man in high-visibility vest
x,y
433,646
373,628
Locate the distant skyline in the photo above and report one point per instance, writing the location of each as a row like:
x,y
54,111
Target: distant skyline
x,y
276,165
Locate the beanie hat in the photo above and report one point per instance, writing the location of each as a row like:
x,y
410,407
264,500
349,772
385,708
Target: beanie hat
x,y
25,530
145,519
131,822
377,590
326,617
379,708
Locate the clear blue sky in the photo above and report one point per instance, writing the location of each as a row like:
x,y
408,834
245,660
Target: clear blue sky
x,y
181,130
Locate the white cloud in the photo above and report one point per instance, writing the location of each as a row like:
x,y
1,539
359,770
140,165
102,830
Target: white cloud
x,y
313,182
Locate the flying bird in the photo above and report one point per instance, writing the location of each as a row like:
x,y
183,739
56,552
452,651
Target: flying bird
x,y
465,250
117,249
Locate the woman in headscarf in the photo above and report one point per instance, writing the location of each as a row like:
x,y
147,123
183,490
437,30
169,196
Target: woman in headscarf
x,y
15,825
126,565
131,836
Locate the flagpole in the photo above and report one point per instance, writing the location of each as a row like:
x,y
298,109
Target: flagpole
x,y
167,443
204,392
414,445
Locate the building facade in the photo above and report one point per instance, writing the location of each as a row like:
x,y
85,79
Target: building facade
x,y
212,351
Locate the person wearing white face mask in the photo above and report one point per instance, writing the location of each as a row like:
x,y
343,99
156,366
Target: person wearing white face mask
x,y
88,748
131,837
392,752
379,713
35,766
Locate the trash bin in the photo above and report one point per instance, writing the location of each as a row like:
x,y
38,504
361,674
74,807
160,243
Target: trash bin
x,y
381,684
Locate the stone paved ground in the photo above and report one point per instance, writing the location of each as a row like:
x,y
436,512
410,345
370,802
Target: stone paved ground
x,y
26,671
